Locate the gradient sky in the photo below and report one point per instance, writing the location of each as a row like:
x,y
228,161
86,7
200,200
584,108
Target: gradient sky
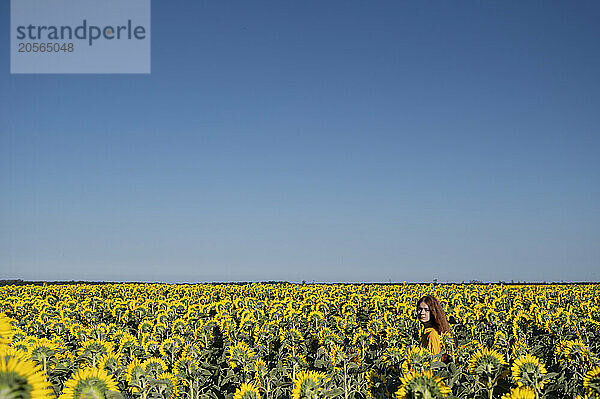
x,y
346,141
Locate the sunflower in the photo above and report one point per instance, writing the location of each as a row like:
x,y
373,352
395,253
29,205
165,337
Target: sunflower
x,y
349,308
422,384
315,317
500,340
347,323
178,327
42,351
417,359
160,330
145,327
112,363
393,355
18,335
247,391
86,383
134,373
93,350
78,331
591,383
98,331
226,324
154,366
165,385
355,355
464,352
520,393
336,356
170,348
308,385
518,348
247,322
375,327
322,307
573,351
293,315
529,371
323,332
6,329
261,371
21,378
394,337
7,352
193,350
362,338
330,338
290,337
578,350
151,346
447,343
65,354
485,361
240,355
376,383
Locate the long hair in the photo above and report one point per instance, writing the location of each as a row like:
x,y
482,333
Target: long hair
x,y
437,315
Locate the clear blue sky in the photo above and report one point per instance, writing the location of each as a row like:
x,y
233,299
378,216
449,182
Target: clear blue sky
x,y
310,140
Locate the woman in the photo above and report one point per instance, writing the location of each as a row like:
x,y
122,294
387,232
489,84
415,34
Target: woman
x,y
431,314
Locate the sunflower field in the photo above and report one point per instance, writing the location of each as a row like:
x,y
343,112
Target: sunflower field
x,y
143,341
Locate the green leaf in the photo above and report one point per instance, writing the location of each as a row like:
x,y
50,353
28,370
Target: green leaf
x,y
333,392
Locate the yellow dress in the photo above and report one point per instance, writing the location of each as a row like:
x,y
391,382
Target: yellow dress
x,y
430,340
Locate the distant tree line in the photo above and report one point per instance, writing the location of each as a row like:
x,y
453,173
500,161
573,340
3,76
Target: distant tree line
x,y
272,282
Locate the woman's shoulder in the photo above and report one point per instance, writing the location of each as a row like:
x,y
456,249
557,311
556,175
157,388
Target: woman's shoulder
x,y
430,331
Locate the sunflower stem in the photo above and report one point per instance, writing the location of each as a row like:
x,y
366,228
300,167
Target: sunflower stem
x,y
345,384
293,362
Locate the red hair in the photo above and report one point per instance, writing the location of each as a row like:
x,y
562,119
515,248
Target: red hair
x,y
437,318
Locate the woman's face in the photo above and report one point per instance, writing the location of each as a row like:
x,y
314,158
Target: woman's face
x,y
423,312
